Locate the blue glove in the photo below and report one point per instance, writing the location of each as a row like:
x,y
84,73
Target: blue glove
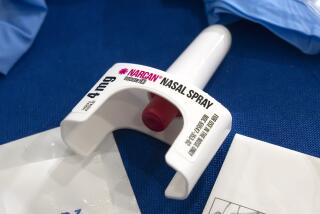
x,y
296,21
20,21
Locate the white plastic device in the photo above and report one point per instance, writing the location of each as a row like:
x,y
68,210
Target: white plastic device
x,y
120,96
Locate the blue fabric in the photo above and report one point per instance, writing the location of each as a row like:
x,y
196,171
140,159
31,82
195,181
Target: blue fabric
x,y
296,21
270,87
20,21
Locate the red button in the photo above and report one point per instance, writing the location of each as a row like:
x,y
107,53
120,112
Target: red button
x,y
159,113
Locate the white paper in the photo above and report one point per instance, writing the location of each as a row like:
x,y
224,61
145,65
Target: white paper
x,y
258,177
39,174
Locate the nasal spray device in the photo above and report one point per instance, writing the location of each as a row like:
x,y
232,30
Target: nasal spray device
x,y
170,106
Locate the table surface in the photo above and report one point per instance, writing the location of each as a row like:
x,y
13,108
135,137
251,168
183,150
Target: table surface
x,y
271,89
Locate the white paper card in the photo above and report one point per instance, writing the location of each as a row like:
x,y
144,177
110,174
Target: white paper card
x,y
258,177
39,174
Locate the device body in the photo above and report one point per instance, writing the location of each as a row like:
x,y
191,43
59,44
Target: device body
x,y
119,98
